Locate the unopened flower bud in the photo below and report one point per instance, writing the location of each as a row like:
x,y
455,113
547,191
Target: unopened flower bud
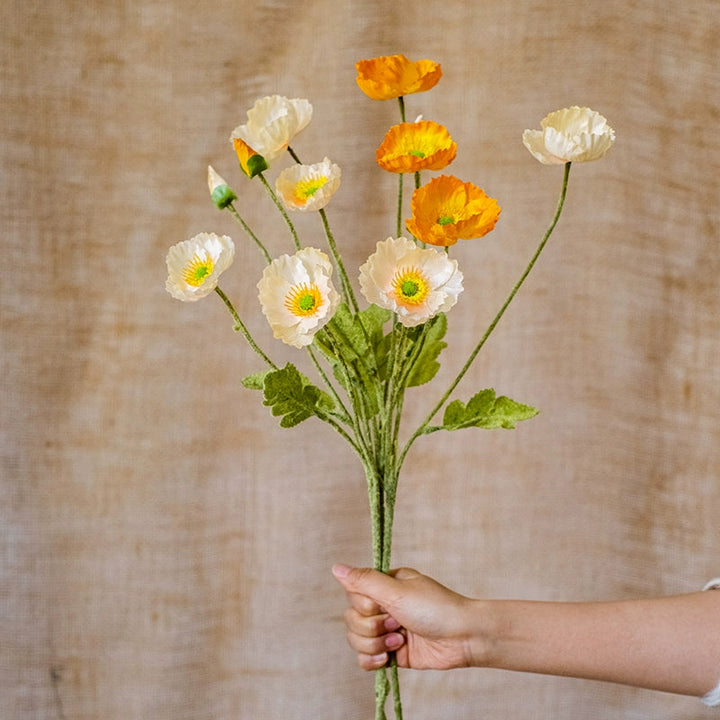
x,y
251,162
220,192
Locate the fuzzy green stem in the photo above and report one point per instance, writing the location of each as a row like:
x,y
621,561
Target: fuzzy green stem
x,y
382,690
345,281
398,226
401,104
362,431
247,229
327,382
501,312
240,325
282,210
395,687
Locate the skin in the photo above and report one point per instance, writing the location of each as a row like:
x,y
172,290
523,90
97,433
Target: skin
x,y
670,643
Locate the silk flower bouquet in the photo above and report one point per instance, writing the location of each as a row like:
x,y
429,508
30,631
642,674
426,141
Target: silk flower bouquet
x,y
366,359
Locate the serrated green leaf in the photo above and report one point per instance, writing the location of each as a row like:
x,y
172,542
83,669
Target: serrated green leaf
x,y
256,381
426,366
484,410
291,396
357,334
374,319
350,343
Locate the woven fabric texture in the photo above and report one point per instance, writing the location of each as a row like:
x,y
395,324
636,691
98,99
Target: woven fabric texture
x,y
165,546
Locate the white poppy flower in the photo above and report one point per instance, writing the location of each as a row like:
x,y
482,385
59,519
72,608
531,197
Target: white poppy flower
x,y
416,283
272,123
195,265
308,187
297,295
574,134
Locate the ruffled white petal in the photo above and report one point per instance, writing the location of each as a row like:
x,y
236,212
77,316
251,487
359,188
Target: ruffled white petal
x,y
573,134
395,255
307,267
219,249
272,123
324,177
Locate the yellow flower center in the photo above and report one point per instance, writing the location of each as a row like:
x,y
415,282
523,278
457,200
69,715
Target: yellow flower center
x,y
304,300
197,270
410,286
307,188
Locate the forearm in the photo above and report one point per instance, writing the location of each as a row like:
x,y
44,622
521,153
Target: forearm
x,y
670,644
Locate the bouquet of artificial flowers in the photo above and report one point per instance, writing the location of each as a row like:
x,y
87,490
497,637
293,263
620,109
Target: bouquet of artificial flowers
x,y
366,359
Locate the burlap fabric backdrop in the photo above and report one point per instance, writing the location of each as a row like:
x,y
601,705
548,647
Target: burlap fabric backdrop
x,y
165,546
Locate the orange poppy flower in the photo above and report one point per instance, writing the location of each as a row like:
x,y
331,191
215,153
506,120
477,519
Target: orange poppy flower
x,y
391,76
448,209
251,162
411,147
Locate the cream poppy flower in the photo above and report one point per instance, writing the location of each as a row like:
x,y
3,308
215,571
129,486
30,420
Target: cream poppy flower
x,y
574,134
416,283
308,187
272,123
297,295
195,265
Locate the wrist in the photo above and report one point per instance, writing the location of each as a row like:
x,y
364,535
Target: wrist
x,y
483,623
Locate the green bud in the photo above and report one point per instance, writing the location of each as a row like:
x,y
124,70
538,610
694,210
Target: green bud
x,y
220,192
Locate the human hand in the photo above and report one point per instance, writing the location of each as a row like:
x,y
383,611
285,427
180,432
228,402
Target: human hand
x,y
427,625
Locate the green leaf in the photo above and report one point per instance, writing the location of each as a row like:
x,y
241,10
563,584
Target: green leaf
x,y
292,396
484,410
350,342
357,335
256,381
426,366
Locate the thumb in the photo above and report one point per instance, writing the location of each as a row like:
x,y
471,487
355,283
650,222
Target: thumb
x,y
366,581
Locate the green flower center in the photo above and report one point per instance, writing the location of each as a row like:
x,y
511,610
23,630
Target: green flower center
x,y
446,220
417,153
197,270
307,188
306,302
409,288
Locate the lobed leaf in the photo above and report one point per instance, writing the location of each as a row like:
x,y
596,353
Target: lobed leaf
x,y
426,366
289,394
484,410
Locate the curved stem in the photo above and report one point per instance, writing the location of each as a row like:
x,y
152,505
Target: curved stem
x,y
294,156
247,229
398,226
325,417
345,281
240,325
501,312
357,398
282,210
330,386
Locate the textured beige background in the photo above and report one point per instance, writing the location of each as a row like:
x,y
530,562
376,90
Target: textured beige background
x,y
165,548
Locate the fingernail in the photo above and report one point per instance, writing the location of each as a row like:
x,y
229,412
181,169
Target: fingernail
x,y
391,624
341,571
392,642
